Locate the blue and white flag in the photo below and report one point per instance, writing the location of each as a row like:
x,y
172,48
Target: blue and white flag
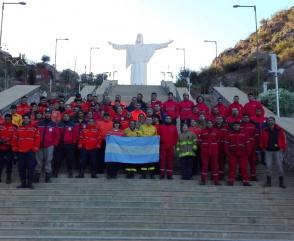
x,y
132,150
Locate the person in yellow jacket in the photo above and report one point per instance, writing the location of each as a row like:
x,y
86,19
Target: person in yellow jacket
x,y
16,118
147,129
132,131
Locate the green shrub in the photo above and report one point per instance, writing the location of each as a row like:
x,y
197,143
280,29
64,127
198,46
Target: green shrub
x,y
286,101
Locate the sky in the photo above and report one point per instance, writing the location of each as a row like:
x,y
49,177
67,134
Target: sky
x,y
32,30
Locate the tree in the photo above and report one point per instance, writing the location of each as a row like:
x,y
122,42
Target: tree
x,y
182,78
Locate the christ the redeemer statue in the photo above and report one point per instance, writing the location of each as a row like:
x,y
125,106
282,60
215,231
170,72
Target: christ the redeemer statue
x,y
138,55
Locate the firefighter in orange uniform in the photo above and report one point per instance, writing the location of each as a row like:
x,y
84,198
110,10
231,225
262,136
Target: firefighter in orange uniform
x,y
26,142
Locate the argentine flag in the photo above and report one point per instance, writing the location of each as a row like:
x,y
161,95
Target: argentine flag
x,y
132,150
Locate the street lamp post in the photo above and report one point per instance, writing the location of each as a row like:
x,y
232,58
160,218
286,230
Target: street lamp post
x,y
90,66
19,3
55,60
257,40
215,42
184,51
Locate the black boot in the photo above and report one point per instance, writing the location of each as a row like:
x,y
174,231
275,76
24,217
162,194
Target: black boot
x,y
36,178
81,174
47,178
268,182
22,185
93,175
8,178
281,182
70,175
30,185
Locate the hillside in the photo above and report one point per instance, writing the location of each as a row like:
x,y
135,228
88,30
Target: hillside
x,y
237,66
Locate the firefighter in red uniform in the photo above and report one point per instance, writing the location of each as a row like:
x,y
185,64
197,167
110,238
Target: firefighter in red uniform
x,y
260,123
235,117
6,155
250,130
237,105
25,143
168,139
89,143
170,108
154,100
185,109
113,167
237,147
68,136
202,107
49,135
23,107
222,109
223,131
209,142
251,106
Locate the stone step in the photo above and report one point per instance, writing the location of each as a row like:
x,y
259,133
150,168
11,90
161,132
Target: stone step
x,y
149,205
104,223
24,210
169,217
234,192
197,199
147,232
121,238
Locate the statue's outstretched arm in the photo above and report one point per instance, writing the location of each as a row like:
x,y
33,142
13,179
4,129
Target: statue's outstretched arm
x,y
163,45
118,46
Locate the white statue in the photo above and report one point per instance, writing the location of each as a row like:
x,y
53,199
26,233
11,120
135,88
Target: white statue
x,y
138,55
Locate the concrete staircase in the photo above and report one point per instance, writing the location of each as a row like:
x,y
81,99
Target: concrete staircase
x,y
123,209
129,91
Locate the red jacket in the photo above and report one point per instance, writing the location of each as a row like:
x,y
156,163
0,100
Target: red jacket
x,y
223,131
123,119
202,107
25,139
6,134
260,123
185,109
154,102
232,119
23,109
116,132
90,138
171,108
168,135
251,106
223,110
196,130
237,144
135,114
209,141
235,105
250,130
49,133
68,132
281,143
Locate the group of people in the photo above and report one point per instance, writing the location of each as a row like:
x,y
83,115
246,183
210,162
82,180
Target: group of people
x,y
40,136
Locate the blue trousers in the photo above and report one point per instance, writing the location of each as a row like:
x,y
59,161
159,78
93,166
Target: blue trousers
x,y
26,165
88,156
6,159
